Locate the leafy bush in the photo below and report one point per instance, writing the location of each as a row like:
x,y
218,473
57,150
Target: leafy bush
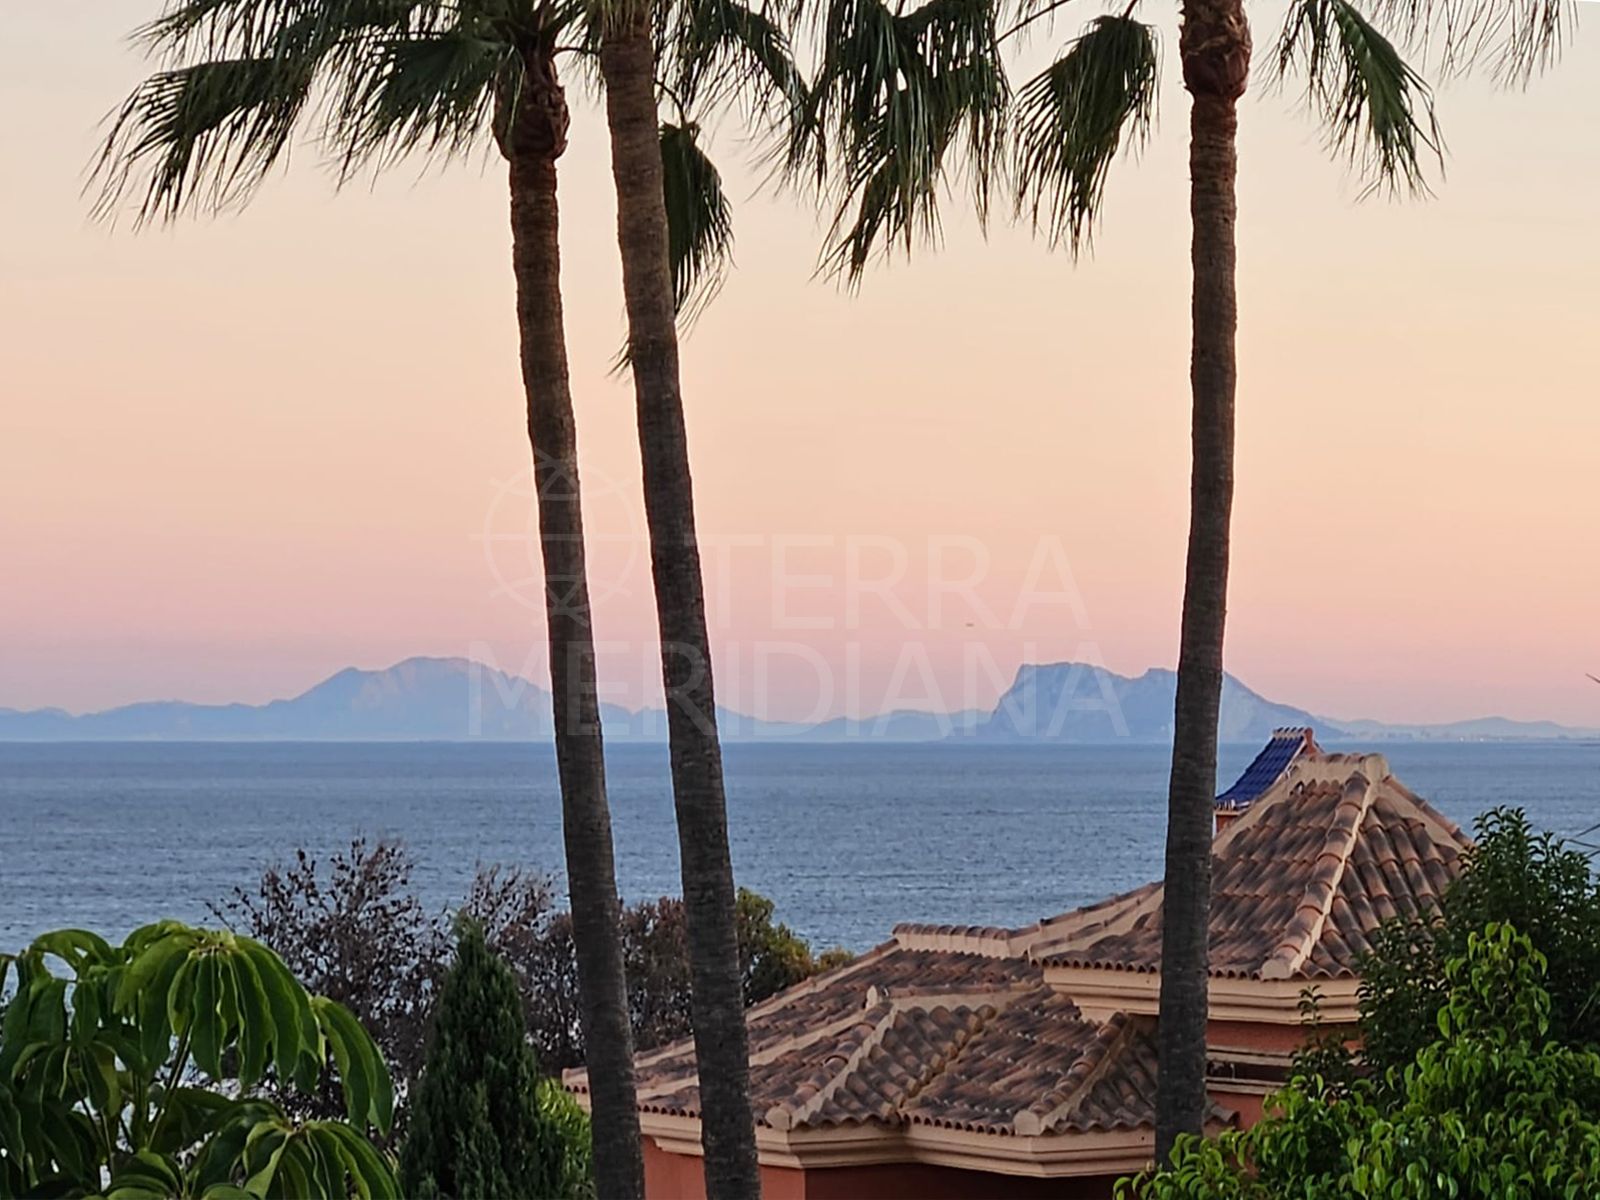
x,y
655,947
1510,876
134,1073
1479,1067
355,929
1490,1107
485,1124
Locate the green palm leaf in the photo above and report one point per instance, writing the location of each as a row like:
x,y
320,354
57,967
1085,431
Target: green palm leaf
x,y
203,135
1378,112
1513,38
432,91
378,77
1072,119
902,101
699,220
721,48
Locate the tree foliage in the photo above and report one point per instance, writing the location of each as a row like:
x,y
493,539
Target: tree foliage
x,y
902,95
376,81
655,943
1072,119
353,927
1511,875
1492,1106
134,1072
1479,1067
906,99
483,1122
1375,109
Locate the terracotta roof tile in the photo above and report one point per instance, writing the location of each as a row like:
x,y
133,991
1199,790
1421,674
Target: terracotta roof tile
x,y
1299,881
806,1042
954,1026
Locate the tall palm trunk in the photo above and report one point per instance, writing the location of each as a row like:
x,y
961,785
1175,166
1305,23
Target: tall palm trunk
x,y
1215,45
727,1127
534,140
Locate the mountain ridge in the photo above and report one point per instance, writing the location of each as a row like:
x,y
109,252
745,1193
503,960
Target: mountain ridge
x,y
457,699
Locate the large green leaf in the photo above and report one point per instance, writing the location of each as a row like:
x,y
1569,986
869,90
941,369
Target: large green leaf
x,y
146,1176
103,1086
206,1030
368,1172
77,947
255,1022
156,955
263,1152
281,993
369,1094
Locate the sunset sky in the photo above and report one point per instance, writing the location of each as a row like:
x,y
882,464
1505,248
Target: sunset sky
x,y
240,453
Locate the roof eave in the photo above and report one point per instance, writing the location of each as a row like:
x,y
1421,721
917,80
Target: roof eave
x,y
1099,993
1058,1155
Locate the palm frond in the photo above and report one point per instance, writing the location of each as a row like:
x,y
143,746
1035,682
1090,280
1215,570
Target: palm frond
x,y
191,31
239,76
201,136
699,220
378,78
1377,111
432,92
1071,120
213,29
903,102
721,48
1514,39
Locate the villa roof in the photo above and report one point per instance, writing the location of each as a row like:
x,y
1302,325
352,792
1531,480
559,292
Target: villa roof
x,y
919,1037
984,1030
1297,884
865,1015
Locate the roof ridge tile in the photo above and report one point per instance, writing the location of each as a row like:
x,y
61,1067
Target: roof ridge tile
x,y
1311,915
975,1010
1045,1114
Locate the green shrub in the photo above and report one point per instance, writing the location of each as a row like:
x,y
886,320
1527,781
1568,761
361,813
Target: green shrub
x,y
353,927
483,1122
1491,1106
1514,876
135,1073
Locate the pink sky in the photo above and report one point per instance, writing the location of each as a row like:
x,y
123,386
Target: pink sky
x,y
241,453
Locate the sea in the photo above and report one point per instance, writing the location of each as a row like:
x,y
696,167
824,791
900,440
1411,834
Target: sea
x,y
846,839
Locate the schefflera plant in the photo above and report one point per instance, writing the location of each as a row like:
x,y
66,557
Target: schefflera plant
x,y
130,1072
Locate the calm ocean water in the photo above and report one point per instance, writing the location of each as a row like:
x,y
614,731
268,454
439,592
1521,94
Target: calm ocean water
x,y
847,839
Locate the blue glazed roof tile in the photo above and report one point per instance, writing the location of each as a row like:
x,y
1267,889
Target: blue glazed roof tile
x,y
1286,746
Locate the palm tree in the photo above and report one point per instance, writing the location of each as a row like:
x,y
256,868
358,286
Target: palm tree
x,y
628,67
904,96
381,79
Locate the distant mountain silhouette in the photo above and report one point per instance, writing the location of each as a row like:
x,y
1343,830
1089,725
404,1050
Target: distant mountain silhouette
x,y
446,699
1079,702
456,699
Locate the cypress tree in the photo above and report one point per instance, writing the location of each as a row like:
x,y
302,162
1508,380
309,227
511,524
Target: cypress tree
x,y
483,1124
